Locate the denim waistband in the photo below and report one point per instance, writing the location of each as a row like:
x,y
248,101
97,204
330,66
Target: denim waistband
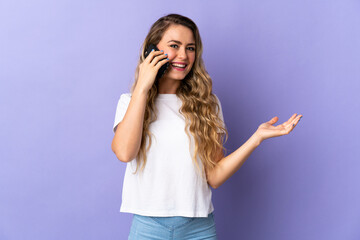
x,y
172,222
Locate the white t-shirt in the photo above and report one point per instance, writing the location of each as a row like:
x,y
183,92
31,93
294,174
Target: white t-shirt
x,y
169,185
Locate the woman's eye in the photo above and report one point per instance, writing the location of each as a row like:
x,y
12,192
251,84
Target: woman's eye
x,y
191,48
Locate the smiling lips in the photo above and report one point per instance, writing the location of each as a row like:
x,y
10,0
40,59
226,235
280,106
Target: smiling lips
x,y
180,66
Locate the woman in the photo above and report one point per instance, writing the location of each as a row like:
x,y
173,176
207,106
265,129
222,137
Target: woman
x,y
174,129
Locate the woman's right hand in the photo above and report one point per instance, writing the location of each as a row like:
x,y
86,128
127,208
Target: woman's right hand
x,y
149,68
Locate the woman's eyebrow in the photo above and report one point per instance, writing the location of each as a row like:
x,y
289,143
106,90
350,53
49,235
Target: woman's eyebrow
x,y
178,42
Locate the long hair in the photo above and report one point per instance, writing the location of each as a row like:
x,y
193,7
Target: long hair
x,y
199,104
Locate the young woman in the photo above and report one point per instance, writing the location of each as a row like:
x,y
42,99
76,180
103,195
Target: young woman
x,y
173,128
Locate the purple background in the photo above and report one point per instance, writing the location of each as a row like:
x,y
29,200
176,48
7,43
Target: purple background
x,y
64,65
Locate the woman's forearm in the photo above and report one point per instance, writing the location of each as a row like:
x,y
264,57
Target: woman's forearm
x,y
230,164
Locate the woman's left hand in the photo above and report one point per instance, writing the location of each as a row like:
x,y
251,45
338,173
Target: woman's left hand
x,y
267,130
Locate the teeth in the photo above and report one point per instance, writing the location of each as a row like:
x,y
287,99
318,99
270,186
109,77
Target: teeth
x,y
178,65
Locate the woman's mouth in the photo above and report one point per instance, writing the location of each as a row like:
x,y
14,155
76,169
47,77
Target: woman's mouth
x,y
179,67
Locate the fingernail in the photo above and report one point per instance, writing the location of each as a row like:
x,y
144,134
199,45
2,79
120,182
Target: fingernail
x,y
152,50
162,50
165,54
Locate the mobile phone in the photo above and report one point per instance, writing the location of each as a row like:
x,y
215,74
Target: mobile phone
x,y
163,68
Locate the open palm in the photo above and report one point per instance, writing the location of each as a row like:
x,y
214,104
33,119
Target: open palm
x,y
267,130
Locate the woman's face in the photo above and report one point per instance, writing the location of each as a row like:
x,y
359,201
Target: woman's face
x,y
178,42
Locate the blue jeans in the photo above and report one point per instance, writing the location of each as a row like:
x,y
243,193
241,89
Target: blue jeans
x,y
166,228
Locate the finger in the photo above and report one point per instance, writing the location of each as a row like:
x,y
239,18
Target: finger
x,y
289,126
157,58
160,59
296,120
273,120
291,119
149,56
152,54
161,63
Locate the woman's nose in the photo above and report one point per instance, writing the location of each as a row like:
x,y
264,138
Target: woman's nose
x,y
182,53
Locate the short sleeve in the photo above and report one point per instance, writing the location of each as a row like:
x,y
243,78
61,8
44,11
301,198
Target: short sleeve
x,y
220,112
121,108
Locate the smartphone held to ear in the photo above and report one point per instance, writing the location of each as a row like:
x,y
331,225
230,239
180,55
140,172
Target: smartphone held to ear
x,y
163,68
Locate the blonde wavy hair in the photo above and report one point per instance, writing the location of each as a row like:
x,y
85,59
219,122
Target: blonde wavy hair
x,y
199,105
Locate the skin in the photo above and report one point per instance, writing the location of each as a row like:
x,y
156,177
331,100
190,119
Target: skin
x,y
177,52
170,81
268,130
228,165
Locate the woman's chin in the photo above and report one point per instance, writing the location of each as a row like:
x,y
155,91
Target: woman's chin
x,y
174,76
